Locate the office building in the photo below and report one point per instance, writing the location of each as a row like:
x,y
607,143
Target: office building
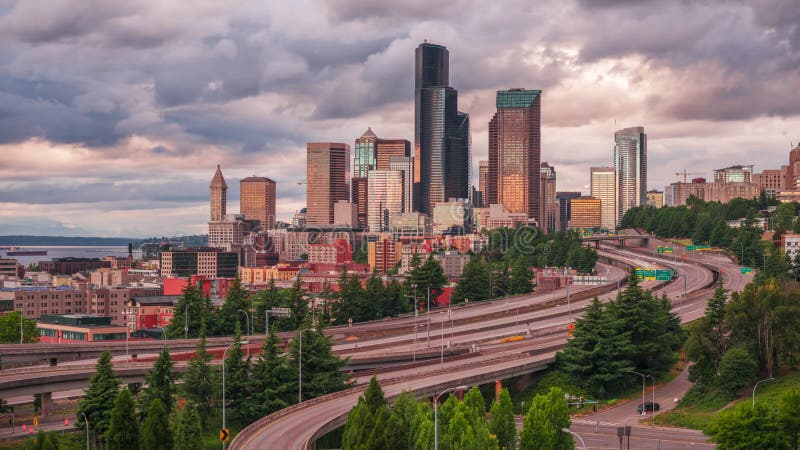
x,y
9,267
483,173
734,174
772,181
228,233
69,265
384,255
655,198
385,200
441,133
365,155
549,204
219,195
199,261
327,180
604,188
360,199
586,213
388,149
630,162
679,193
257,201
452,217
515,153
565,208
405,165
344,214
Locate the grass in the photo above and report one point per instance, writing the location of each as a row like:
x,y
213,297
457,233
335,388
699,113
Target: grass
x,y
701,405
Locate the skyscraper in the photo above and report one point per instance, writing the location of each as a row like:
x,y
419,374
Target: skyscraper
x,y
630,162
385,198
483,173
360,198
365,157
257,200
515,153
604,188
441,133
405,165
549,204
327,180
387,149
219,196
564,208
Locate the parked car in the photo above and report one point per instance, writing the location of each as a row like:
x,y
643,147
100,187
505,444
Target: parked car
x,y
648,406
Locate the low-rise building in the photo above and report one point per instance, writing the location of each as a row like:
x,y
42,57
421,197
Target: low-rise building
x,y
78,328
452,216
384,255
9,267
338,252
70,265
655,198
452,263
263,275
119,262
790,244
199,261
499,216
144,313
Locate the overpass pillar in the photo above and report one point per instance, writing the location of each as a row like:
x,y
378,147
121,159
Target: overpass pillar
x,y
597,244
498,386
47,403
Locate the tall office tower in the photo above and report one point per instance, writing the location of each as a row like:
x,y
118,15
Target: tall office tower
x,y
327,180
441,133
405,164
385,198
564,208
387,149
604,188
515,153
549,204
365,156
360,199
630,161
483,173
219,196
257,200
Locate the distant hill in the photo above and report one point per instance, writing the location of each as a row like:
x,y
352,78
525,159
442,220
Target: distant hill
x,y
23,241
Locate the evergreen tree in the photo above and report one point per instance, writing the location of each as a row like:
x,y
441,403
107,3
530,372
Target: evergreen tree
x,y
476,404
188,434
160,384
322,372
498,274
236,377
373,396
503,424
708,340
155,433
789,419
190,313
229,316
464,433
428,275
520,282
123,429
294,298
198,385
100,395
270,381
473,283
547,415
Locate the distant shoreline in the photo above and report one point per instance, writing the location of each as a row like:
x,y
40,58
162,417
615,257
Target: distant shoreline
x,y
89,241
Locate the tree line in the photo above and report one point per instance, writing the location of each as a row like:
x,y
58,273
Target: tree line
x,y
462,424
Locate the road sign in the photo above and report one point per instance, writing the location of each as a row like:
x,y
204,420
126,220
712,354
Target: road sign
x,y
36,421
225,435
663,275
745,270
281,311
649,274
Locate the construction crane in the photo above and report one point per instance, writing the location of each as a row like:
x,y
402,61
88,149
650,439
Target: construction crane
x,y
686,174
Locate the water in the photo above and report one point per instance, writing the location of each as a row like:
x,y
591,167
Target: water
x,y
70,251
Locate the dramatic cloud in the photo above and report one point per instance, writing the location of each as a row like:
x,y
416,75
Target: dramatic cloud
x,y
114,115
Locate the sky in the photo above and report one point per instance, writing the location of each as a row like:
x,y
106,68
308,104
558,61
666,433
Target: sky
x,y
114,115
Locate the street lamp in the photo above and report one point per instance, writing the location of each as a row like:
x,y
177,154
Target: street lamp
x,y
653,418
224,444
567,430
428,313
86,419
21,333
754,388
247,324
436,413
644,409
441,357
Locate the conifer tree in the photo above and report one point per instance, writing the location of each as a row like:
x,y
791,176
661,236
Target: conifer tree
x,y
188,433
270,381
160,384
100,395
236,377
123,430
198,383
155,433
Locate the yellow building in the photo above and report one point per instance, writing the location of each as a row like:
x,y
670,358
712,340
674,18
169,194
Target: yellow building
x,y
655,198
262,275
585,212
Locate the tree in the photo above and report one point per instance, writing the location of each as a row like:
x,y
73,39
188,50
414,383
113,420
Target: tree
x,y
155,433
503,424
188,433
427,275
123,429
322,372
160,384
100,396
788,417
271,380
198,385
190,313
746,427
373,396
236,377
520,282
737,369
547,415
227,317
473,284
358,427
464,432
406,408
474,401
708,340
9,329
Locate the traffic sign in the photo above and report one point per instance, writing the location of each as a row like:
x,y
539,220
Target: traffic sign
x,y
36,421
663,275
745,270
225,435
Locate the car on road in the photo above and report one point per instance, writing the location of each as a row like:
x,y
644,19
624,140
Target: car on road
x,y
648,406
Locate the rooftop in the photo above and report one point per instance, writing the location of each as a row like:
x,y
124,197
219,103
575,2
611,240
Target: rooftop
x,y
517,98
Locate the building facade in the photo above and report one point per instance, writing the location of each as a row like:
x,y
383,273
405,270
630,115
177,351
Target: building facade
x,y
385,201
199,261
655,199
219,195
70,265
630,163
565,208
365,154
734,174
327,180
515,153
604,188
549,203
257,200
586,213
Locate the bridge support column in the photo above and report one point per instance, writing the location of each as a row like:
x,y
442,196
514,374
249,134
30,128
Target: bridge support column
x,y
47,403
597,245
498,386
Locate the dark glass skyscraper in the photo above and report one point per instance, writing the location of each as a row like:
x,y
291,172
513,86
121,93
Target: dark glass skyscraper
x,y
441,133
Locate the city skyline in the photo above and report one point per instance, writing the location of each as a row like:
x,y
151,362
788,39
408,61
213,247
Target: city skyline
x,y
134,129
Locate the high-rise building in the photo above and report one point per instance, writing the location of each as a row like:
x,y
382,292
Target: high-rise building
x,y
604,188
405,164
549,204
564,208
630,162
734,174
388,149
328,180
515,153
365,157
586,212
219,196
441,133
360,199
257,200
483,173
385,198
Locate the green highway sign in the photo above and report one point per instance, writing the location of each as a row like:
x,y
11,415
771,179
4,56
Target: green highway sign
x,y
745,270
663,275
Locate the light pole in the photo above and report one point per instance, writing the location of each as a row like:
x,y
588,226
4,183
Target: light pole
x,y
86,419
436,413
742,260
644,408
754,389
569,309
224,444
247,324
428,313
653,418
567,430
441,357
127,334
186,321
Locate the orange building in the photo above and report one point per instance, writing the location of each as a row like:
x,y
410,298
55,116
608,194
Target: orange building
x,y
585,212
257,200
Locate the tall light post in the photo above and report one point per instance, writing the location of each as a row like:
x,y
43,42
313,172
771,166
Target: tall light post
x,y
428,313
436,412
86,419
568,431
441,356
756,386
247,329
644,409
186,320
224,444
21,333
741,261
569,308
653,418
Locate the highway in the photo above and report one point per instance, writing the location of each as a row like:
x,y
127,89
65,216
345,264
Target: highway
x,y
289,428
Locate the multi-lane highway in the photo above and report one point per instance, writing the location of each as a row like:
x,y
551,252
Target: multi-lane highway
x,y
300,425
